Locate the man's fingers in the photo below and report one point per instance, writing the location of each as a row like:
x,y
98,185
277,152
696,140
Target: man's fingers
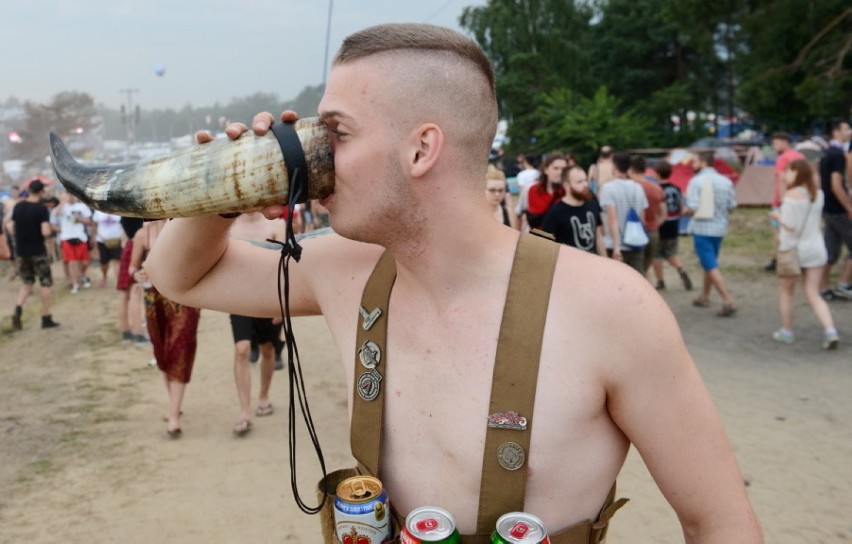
x,y
289,116
235,130
203,137
261,123
273,212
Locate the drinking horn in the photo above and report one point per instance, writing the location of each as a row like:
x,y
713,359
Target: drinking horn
x,y
223,176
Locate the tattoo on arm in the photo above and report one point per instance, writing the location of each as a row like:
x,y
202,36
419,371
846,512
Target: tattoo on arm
x,y
299,238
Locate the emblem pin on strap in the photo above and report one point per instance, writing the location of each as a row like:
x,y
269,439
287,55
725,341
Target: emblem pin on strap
x,y
507,420
510,455
370,354
369,385
369,317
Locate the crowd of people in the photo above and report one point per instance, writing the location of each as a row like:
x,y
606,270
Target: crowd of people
x,y
42,225
599,210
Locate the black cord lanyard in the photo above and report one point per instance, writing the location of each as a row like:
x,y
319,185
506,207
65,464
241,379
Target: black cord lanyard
x,y
294,159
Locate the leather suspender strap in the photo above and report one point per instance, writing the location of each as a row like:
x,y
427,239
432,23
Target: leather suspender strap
x,y
365,435
506,456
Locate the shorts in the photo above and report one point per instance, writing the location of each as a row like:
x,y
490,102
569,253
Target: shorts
x,y
649,252
125,280
32,267
106,254
707,250
75,252
667,249
838,232
259,329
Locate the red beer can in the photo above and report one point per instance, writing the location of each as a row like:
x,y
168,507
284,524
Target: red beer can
x,y
519,528
429,524
361,512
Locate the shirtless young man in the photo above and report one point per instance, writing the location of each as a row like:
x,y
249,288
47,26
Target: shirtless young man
x,y
411,129
254,227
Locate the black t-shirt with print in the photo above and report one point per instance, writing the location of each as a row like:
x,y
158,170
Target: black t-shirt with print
x,y
575,226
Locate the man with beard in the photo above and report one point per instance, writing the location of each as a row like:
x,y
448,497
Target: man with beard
x,y
576,219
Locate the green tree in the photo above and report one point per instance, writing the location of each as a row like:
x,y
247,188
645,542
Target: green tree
x,y
796,66
569,121
71,114
535,46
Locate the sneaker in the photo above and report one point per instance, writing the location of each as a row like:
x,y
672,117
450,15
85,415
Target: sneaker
x,y
279,364
661,285
254,354
152,362
126,337
844,290
687,283
47,322
830,340
86,283
829,295
785,337
75,289
771,266
140,340
16,322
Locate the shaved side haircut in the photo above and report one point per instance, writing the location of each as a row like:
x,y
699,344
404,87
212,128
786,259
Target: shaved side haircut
x,y
437,75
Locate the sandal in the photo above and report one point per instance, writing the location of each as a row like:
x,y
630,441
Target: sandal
x,y
243,427
262,411
701,303
727,310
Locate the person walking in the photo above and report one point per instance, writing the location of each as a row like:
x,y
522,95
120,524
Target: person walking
x,y
799,221
74,217
709,199
618,196
108,233
837,212
30,226
669,229
172,327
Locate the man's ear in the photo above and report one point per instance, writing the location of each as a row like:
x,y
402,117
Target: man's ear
x,y
428,143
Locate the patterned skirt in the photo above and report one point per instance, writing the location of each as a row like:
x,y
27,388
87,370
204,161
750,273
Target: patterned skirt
x,y
172,328
124,280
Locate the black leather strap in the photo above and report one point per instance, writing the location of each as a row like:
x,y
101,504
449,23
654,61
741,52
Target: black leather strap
x,y
294,160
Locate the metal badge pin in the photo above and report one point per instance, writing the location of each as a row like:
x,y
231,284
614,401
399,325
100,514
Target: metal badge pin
x,y
369,385
370,354
510,455
369,317
507,420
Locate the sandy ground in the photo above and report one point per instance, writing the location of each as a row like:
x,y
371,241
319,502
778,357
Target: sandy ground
x,y
84,456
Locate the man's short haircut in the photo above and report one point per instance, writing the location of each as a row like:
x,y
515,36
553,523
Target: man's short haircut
x,y
533,159
834,124
663,169
35,187
637,164
708,157
443,75
781,136
622,162
606,152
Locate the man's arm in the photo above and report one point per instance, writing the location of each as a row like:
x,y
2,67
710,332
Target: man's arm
x,y
656,397
599,240
612,226
840,192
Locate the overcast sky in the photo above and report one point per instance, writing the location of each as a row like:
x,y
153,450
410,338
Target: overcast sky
x,y
212,50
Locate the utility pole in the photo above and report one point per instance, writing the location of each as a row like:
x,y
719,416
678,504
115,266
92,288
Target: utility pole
x,y
327,38
128,117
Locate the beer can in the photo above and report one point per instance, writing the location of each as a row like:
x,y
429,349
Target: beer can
x,y
519,528
429,524
361,512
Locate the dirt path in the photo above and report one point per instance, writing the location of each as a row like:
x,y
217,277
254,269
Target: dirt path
x,y
84,456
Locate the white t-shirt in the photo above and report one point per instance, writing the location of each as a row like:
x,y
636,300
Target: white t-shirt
x,y
109,226
68,225
527,177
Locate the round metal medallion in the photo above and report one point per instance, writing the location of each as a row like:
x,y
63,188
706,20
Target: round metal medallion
x,y
370,354
510,455
368,385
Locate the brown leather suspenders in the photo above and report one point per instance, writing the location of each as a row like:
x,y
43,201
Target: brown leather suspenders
x,y
506,453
